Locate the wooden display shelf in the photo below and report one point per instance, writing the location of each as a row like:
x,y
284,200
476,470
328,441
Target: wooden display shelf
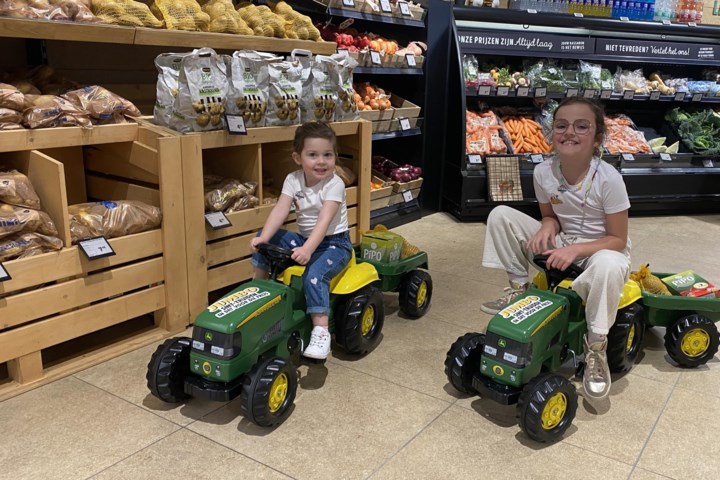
x,y
73,31
14,140
59,297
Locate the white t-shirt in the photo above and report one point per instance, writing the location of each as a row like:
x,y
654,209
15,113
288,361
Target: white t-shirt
x,y
581,208
309,200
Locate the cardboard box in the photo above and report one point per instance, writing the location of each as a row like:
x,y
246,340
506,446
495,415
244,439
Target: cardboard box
x,y
404,108
684,282
381,247
375,115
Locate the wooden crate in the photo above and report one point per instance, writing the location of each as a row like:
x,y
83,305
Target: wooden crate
x,y
217,259
114,304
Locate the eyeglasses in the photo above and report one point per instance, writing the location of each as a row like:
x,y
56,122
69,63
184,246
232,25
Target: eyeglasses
x,y
580,127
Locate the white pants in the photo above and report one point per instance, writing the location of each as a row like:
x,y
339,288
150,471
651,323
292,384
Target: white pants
x,y
600,285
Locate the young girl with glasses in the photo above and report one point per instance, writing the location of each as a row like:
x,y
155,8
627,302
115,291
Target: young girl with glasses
x,y
584,206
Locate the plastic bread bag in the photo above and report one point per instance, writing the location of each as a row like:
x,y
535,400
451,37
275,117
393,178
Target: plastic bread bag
x,y
112,219
8,115
243,203
43,111
249,85
103,106
203,86
320,96
11,97
16,189
15,219
347,108
631,80
73,10
285,91
168,67
220,196
21,9
10,126
27,244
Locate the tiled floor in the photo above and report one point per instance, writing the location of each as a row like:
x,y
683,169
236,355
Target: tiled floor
x,y
392,414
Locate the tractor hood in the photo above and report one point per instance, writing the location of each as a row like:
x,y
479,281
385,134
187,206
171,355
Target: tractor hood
x,y
527,314
241,306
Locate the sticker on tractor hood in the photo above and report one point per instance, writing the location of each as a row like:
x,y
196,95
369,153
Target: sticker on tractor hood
x,y
237,300
522,309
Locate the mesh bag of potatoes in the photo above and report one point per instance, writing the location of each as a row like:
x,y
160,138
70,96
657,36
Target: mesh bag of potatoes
x,y
225,19
16,189
649,282
20,219
284,93
228,193
202,88
262,20
168,67
45,111
320,93
103,106
27,244
125,12
347,109
181,15
249,85
111,219
297,25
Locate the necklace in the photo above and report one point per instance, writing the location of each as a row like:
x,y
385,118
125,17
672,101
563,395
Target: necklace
x,y
566,187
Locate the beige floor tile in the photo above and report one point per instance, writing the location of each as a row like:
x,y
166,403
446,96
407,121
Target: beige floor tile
x,y
654,362
461,444
124,376
640,474
704,379
684,444
69,429
345,425
185,454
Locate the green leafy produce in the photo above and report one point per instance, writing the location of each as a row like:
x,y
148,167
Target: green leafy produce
x,y
699,131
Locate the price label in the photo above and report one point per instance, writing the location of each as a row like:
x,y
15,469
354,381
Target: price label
x,y
404,9
474,158
708,163
606,94
655,95
572,92
375,57
4,275
541,92
484,90
624,19
666,22
503,91
531,10
628,95
523,91
579,15
665,157
348,3
692,24
385,6
410,59
628,157
404,124
697,97
217,220
235,124
589,93
536,158
95,248
408,196
680,96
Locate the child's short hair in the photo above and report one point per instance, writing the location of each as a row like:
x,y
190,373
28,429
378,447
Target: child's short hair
x,y
313,130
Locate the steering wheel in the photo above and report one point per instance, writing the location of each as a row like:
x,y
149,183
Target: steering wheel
x,y
555,276
279,258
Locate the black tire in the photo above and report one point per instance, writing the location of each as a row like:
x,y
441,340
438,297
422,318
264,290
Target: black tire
x,y
168,368
463,360
625,339
692,340
359,321
268,391
416,293
546,407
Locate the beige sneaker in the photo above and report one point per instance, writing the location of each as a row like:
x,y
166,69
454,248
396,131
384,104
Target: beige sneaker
x,y
511,292
596,378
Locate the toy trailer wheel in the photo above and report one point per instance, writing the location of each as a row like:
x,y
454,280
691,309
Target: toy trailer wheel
x,y
625,338
546,407
463,360
415,293
360,320
268,392
692,340
168,368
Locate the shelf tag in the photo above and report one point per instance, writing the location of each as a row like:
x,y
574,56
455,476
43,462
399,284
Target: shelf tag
x,y
404,124
579,15
343,51
385,6
503,91
692,24
217,220
680,96
408,196
474,158
572,92
655,95
410,59
4,275
536,158
348,3
375,58
484,90
628,157
707,163
665,157
589,93
523,91
531,10
235,124
95,248
404,8
628,94
624,19
541,92
697,97
666,22
606,94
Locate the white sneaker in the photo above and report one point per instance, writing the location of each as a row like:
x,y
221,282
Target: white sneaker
x,y
596,378
511,293
319,346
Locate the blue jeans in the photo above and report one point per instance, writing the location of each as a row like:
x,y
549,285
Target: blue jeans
x,y
330,257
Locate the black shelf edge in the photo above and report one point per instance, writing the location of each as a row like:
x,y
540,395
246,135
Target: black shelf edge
x,y
375,18
396,215
389,70
400,133
689,97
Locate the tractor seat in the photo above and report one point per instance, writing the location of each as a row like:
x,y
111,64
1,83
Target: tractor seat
x,y
348,280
